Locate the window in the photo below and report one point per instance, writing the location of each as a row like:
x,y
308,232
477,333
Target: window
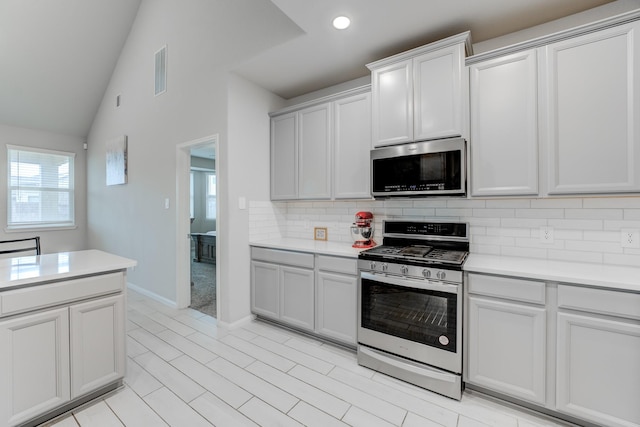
x,y
40,188
211,196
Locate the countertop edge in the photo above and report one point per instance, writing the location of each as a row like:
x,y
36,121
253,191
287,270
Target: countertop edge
x,y
613,277
341,249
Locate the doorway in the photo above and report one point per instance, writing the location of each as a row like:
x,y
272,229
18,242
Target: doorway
x,y
197,225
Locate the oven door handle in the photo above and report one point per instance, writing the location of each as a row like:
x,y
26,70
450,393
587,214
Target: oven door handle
x,y
409,283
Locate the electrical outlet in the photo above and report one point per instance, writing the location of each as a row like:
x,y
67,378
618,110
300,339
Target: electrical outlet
x,y
630,238
546,234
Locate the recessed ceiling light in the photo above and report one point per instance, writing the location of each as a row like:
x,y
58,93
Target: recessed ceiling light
x,y
341,22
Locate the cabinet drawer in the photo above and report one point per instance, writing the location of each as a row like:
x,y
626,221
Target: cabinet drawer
x,y
508,288
35,297
614,303
297,259
338,264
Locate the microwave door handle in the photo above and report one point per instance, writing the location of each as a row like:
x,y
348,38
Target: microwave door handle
x,y
427,285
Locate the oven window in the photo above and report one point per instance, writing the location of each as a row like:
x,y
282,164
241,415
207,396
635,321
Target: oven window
x,y
422,316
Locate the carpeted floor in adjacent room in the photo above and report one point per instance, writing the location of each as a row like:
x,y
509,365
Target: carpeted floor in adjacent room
x,y
203,290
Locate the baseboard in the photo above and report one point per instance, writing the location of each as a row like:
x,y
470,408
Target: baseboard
x,y
152,295
237,324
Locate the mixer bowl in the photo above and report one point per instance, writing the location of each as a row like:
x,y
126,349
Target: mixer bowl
x,y
362,236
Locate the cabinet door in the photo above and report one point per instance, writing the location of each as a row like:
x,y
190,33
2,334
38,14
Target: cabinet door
x,y
504,126
265,292
97,344
437,99
314,157
507,350
352,143
284,157
34,365
598,369
297,297
593,90
392,103
336,306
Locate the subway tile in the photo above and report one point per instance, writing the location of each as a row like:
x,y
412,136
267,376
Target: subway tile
x,y
523,222
632,214
465,203
494,240
485,249
622,259
577,224
524,252
618,225
511,232
483,222
534,242
419,212
430,203
593,213
508,203
589,246
631,202
454,212
556,203
602,236
540,213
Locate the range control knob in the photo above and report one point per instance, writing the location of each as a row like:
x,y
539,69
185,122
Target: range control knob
x,y
441,275
384,266
372,265
426,273
404,269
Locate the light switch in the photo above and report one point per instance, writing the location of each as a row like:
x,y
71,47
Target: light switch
x,y
166,203
242,202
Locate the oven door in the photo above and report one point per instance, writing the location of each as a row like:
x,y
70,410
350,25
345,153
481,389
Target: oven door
x,y
417,319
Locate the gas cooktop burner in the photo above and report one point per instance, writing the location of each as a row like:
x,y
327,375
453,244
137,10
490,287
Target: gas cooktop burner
x,y
419,253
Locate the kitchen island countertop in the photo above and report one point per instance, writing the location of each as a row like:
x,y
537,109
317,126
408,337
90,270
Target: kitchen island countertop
x,y
26,271
320,247
598,275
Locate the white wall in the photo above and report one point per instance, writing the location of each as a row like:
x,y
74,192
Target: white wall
x,y
50,240
130,220
585,229
244,170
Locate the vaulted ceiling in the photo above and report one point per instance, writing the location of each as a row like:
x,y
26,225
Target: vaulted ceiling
x,y
57,56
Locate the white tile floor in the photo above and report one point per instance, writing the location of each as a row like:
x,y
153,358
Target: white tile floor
x,y
184,371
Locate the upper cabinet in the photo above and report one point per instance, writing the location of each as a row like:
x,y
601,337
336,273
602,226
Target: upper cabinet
x,y
320,150
558,115
593,112
504,125
417,95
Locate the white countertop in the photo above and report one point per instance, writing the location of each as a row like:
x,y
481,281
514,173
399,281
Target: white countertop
x,y
30,270
605,276
314,246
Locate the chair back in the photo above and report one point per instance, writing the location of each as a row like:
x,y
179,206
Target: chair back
x,y
20,247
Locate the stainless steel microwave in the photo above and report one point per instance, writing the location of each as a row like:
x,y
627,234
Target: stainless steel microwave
x,y
426,168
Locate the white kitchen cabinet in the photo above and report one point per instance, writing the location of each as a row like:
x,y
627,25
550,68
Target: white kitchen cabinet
x,y
97,342
417,95
282,286
320,149
504,125
593,112
314,152
506,348
336,298
352,144
284,157
34,365
598,355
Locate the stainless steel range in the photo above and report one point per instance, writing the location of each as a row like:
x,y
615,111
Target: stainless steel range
x,y
410,304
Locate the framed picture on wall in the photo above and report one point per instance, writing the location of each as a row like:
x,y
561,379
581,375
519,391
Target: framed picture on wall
x,y
117,161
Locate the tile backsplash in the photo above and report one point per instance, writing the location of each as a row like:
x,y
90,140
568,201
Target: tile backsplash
x,y
583,229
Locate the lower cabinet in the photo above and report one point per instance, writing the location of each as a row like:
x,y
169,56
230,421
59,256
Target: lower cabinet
x,y
598,356
97,344
282,286
506,338
314,293
49,358
34,365
515,326
336,299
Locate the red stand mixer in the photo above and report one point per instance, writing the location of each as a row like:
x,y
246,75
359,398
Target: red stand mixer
x,y
362,230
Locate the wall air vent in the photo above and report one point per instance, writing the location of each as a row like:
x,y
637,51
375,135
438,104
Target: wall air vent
x,y
161,71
